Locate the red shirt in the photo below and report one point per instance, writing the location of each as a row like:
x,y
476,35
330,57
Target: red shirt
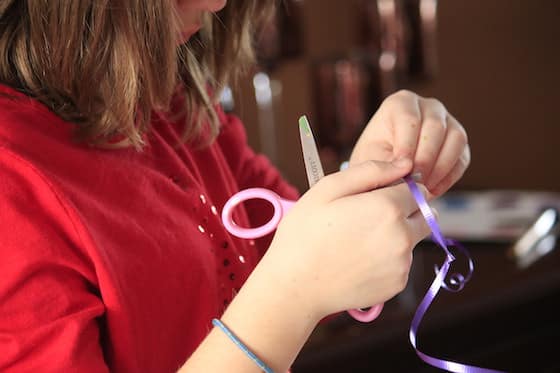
x,y
117,260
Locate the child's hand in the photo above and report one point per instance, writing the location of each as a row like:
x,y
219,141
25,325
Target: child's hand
x,y
348,242
420,129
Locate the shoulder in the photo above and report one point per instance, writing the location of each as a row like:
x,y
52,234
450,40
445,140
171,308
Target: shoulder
x,y
47,276
37,217
26,121
34,138
32,207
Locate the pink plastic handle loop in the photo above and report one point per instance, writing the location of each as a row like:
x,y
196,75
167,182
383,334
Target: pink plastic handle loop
x,y
279,204
366,316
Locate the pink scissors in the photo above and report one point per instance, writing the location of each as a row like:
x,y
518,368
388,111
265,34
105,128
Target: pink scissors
x,y
279,204
314,171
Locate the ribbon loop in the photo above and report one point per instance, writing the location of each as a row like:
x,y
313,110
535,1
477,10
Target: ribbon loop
x,y
456,282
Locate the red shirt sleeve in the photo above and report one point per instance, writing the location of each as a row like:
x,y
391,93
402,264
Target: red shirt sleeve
x,y
49,310
252,170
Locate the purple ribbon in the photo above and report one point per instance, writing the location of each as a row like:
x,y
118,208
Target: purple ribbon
x,y
456,283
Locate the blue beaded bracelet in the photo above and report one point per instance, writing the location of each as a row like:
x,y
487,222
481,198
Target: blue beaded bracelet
x,y
243,348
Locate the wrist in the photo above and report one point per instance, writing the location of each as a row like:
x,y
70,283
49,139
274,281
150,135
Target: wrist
x,y
271,318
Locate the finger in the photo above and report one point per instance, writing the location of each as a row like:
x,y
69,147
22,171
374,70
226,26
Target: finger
x,y
396,201
419,228
455,174
432,136
360,178
402,198
404,116
453,147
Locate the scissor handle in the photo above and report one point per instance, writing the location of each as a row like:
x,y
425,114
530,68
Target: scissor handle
x,y
366,316
279,204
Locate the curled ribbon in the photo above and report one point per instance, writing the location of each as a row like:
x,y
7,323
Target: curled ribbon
x,y
456,283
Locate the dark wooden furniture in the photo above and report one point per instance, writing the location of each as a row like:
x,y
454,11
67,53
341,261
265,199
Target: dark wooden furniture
x,y
505,318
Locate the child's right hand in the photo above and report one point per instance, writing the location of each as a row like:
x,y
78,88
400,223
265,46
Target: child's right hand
x,y
347,243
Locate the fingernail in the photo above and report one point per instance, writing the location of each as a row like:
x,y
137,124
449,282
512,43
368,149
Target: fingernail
x,y
416,176
401,162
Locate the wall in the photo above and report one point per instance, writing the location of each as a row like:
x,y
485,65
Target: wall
x,y
498,74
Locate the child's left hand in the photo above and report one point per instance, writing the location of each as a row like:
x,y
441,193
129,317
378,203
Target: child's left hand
x,y
409,126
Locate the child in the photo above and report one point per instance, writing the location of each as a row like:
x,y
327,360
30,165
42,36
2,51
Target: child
x,y
115,163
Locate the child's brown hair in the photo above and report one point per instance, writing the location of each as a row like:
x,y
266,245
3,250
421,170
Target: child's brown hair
x,y
107,64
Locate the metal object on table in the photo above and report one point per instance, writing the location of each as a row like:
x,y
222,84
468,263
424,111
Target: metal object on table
x,y
538,240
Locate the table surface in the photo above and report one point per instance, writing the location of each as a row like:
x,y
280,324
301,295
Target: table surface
x,y
505,318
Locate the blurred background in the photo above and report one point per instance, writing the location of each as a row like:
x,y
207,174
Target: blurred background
x,y
495,64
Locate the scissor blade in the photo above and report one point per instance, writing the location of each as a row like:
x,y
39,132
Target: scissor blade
x,y
313,166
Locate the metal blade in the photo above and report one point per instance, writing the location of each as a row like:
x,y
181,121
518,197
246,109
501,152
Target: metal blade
x,y
313,166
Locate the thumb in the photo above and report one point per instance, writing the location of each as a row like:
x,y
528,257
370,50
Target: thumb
x,y
362,178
